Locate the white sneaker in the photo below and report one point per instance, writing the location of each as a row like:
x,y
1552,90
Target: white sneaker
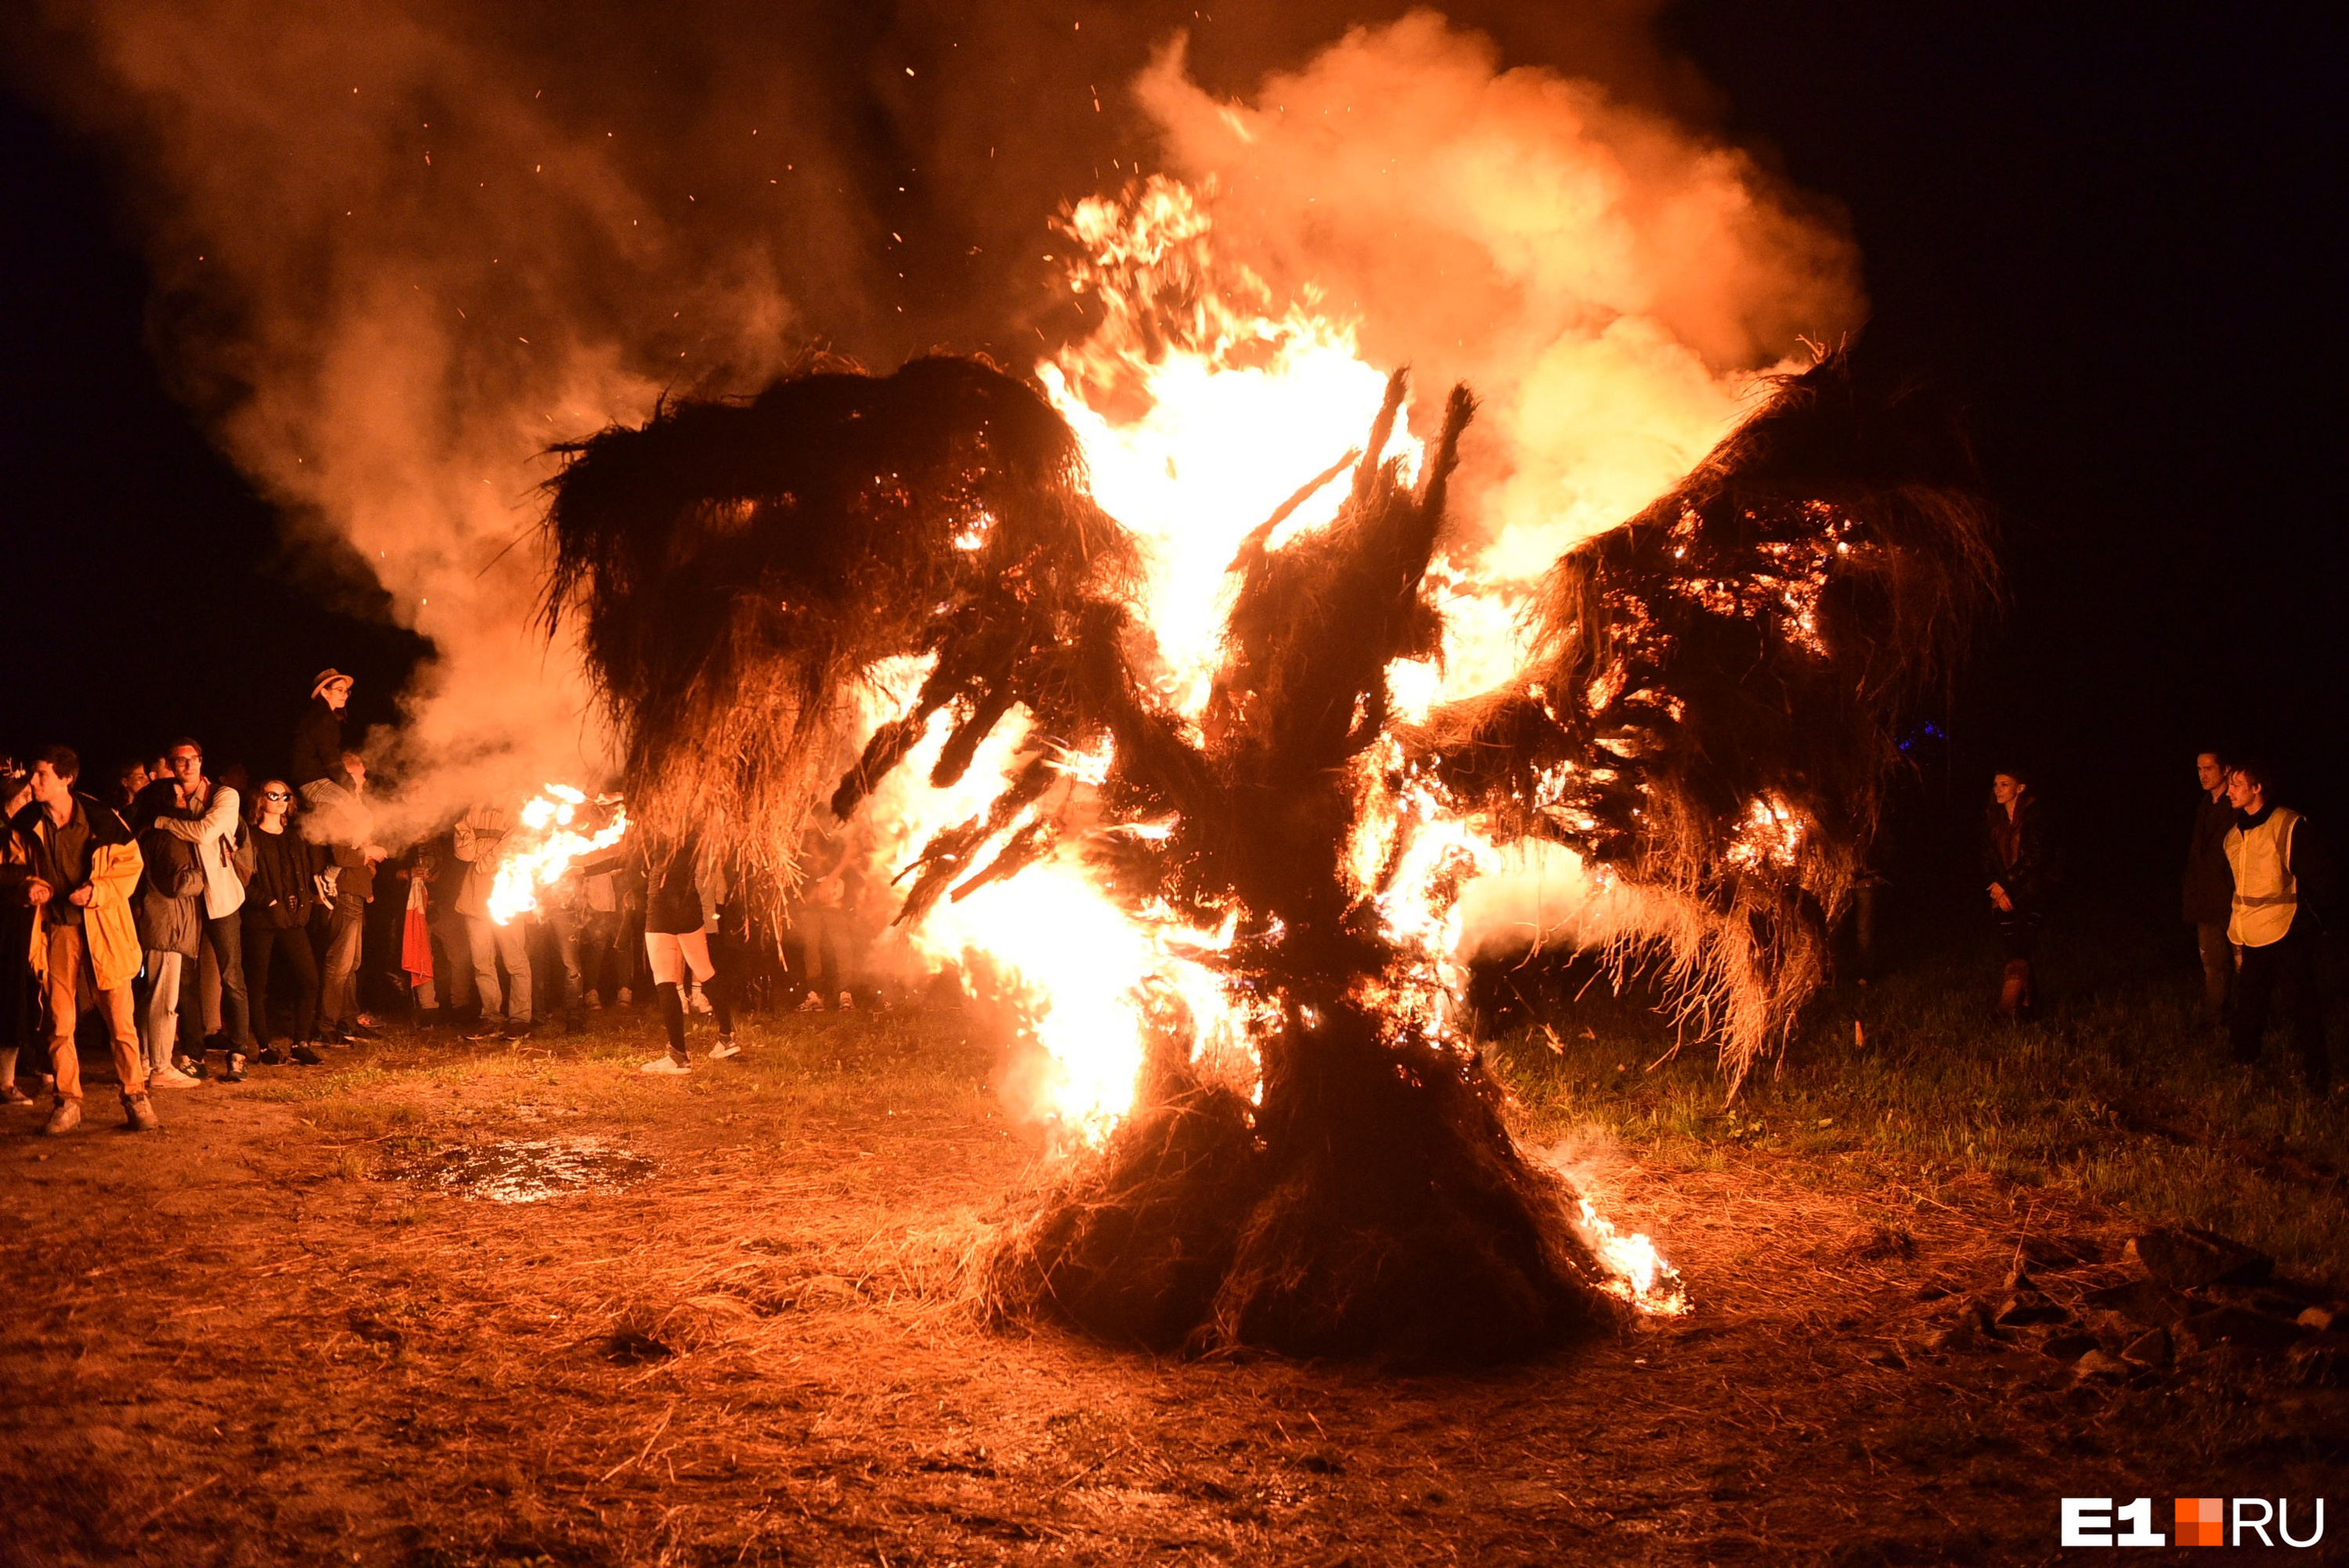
x,y
169,1078
699,1003
628,997
811,1003
724,1048
847,1002
665,1066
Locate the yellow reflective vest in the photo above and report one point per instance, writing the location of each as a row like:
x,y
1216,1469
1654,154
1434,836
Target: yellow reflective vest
x,y
2267,895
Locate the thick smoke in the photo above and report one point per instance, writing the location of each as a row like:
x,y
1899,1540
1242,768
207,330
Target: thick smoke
x,y
400,250
1608,281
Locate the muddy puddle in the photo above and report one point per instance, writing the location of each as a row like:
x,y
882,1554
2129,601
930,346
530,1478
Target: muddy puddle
x,y
519,1170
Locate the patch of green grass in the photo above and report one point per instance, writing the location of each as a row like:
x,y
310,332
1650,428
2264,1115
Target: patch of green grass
x,y
2116,1092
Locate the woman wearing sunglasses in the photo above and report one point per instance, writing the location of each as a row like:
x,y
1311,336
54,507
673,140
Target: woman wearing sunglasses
x,y
277,903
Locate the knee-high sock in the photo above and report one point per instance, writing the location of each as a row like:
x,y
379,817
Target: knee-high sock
x,y
719,989
672,1012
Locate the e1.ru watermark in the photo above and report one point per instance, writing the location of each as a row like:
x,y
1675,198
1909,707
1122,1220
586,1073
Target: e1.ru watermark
x,y
2196,1521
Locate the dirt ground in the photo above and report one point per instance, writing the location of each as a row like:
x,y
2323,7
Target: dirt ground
x,y
269,1335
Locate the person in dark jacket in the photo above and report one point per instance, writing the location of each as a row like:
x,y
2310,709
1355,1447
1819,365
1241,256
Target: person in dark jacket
x,y
170,911
318,734
20,991
2210,886
2284,874
445,878
352,883
676,941
2015,861
277,904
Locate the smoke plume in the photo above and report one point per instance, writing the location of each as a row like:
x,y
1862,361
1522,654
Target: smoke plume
x,y
1608,281
402,250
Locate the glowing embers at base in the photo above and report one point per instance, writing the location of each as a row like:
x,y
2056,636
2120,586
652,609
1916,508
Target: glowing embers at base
x,y
1092,986
1637,1272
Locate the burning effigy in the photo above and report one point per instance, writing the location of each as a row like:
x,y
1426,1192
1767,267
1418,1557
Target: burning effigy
x,y
1197,798
1713,708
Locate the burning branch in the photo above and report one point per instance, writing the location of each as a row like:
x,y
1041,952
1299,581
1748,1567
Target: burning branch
x,y
743,570
1711,713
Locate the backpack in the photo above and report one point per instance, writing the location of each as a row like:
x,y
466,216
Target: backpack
x,y
242,855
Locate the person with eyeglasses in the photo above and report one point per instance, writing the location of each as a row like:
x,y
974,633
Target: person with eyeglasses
x,y
277,904
209,818
170,917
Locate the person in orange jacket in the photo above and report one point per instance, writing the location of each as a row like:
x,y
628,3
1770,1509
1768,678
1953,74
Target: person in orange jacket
x,y
77,867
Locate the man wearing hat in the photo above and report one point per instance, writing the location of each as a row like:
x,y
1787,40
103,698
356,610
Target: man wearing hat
x,y
318,737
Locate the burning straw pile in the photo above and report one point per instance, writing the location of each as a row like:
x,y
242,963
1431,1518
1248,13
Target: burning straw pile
x,y
1711,713
740,567
740,570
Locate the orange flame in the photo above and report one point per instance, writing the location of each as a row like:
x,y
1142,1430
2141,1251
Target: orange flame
x,y
545,848
1202,407
1637,1271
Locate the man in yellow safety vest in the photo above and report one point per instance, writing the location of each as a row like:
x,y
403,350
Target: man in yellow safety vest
x,y
2282,873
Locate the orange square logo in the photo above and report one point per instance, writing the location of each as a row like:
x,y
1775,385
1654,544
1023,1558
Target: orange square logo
x,y
2199,1521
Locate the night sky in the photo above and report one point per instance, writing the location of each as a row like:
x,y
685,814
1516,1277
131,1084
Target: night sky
x,y
2100,225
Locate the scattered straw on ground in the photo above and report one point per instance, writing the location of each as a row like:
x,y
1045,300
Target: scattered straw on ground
x,y
249,1340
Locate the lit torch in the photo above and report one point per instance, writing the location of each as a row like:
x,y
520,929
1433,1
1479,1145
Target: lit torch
x,y
552,819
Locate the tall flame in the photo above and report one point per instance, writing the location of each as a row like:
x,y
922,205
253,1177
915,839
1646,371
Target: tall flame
x,y
1202,409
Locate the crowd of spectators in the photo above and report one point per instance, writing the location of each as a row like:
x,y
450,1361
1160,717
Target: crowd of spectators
x,y
207,923
213,919
2257,878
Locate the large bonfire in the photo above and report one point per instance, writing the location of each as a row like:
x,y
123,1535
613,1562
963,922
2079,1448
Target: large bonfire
x,y
1198,787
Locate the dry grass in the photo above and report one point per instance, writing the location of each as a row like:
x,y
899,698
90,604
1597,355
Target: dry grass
x,y
239,1342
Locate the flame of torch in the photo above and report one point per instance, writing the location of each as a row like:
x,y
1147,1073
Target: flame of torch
x,y
550,818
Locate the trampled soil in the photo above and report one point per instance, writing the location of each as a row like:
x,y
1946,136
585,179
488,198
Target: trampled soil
x,y
281,1331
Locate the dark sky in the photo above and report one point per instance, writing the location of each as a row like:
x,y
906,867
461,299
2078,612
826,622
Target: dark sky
x,y
2100,225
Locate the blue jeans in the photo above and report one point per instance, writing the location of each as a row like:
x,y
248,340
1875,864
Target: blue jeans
x,y
345,928
225,937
